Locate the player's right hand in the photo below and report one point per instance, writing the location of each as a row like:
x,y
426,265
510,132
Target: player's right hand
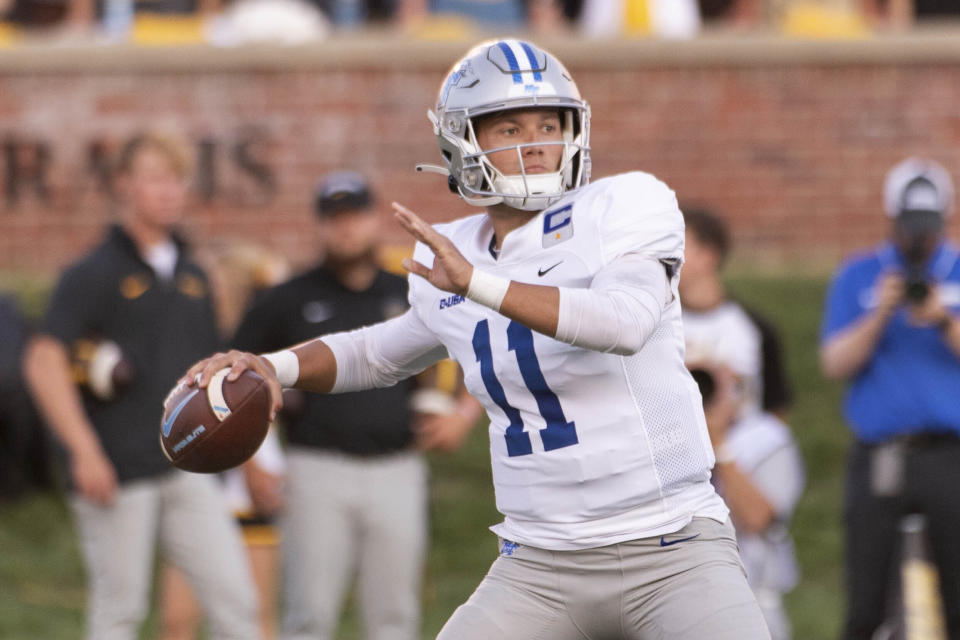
x,y
451,271
93,475
202,372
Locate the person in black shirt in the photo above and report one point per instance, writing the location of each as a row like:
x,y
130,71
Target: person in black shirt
x,y
139,290
356,483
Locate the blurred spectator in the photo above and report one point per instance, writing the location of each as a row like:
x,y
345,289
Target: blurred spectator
x,y
537,15
34,13
140,292
740,11
891,329
238,274
356,13
24,455
357,488
804,18
759,470
660,18
277,22
902,13
114,19
703,290
254,494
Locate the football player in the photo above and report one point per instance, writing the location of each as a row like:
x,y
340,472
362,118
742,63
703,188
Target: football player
x,y
560,303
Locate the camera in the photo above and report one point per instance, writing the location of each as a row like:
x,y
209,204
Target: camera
x,y
916,286
706,382
917,233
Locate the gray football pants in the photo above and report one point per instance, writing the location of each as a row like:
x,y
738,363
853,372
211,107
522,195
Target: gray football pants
x,y
188,514
638,590
346,515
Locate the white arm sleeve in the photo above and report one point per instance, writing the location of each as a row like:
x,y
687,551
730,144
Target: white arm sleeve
x,y
621,308
383,354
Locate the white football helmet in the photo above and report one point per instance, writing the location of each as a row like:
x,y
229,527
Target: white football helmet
x,y
502,75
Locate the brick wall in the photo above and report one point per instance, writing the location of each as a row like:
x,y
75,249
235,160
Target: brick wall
x,y
788,140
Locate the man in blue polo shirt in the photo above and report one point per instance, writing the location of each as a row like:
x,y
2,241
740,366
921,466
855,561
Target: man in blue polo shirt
x,y
891,328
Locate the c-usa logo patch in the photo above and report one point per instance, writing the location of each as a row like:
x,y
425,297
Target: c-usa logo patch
x,y
557,226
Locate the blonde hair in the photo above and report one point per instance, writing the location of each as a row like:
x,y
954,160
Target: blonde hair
x,y
168,145
238,271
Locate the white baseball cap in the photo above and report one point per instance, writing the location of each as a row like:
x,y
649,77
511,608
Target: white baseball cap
x,y
918,184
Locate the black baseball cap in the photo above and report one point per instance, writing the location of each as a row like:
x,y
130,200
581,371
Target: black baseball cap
x,y
341,191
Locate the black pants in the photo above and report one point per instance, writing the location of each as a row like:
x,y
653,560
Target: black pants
x,y
931,486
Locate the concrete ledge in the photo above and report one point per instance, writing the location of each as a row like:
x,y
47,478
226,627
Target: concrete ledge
x,y
388,50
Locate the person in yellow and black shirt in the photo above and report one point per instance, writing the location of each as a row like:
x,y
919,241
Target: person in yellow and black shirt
x,y
139,290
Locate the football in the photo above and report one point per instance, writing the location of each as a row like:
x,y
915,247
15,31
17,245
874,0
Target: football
x,y
217,428
101,368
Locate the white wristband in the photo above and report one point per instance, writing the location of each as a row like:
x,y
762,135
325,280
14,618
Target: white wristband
x,y
433,401
487,289
724,454
287,365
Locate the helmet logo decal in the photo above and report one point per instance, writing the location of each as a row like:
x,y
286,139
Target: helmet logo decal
x,y
510,50
532,59
455,78
512,61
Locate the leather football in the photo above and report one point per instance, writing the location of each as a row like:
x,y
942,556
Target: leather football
x,y
217,428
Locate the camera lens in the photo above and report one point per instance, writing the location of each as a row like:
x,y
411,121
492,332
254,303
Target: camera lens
x,y
706,382
917,290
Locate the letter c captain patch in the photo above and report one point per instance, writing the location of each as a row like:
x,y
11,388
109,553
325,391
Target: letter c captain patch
x,y
557,226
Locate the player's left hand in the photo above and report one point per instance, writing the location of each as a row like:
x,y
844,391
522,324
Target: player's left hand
x,y
451,271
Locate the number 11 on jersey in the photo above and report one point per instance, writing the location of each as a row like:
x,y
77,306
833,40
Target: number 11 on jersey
x,y
558,433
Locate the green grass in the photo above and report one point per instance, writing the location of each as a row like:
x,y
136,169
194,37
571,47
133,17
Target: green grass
x,y
41,575
42,588
794,306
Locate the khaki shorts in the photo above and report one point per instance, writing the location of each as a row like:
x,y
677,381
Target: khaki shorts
x,y
688,585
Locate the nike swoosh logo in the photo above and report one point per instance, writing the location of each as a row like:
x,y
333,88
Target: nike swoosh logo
x,y
667,543
168,423
543,272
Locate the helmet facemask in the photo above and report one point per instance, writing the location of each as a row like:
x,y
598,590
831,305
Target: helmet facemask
x,y
529,192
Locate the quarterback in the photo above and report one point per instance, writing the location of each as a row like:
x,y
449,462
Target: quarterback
x,y
560,304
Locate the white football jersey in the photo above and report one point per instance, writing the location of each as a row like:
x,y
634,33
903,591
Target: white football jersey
x,y
765,450
726,335
588,448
